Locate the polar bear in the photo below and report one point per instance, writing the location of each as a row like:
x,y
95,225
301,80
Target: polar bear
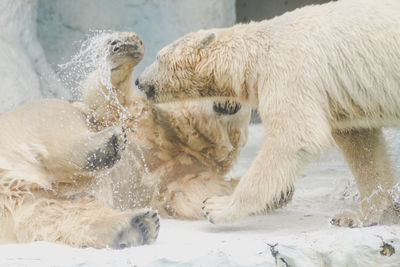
x,y
49,161
177,154
319,75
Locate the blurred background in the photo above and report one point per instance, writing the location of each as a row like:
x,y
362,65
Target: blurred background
x,y
36,36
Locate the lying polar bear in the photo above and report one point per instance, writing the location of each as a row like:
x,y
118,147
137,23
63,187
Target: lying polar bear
x,y
71,173
49,159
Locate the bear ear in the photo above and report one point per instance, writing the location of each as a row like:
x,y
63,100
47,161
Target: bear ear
x,y
207,40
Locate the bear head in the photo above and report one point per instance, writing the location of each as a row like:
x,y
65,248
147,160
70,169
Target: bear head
x,y
122,49
200,64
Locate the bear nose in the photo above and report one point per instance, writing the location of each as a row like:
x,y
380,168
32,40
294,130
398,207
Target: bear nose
x,y
149,90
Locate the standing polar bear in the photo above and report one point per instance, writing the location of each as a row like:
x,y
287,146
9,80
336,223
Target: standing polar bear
x,y
318,75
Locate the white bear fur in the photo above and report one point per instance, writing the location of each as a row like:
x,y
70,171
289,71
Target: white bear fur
x,y
319,75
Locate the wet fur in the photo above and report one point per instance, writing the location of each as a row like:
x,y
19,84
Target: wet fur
x,y
188,147
53,168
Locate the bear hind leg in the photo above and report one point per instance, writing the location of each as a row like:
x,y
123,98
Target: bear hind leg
x,y
84,223
143,229
366,153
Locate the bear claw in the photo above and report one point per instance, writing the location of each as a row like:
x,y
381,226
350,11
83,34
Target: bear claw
x,y
227,107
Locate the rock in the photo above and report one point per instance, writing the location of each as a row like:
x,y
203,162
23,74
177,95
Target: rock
x,y
62,25
24,70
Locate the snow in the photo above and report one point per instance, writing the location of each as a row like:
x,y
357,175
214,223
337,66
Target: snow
x,y
301,232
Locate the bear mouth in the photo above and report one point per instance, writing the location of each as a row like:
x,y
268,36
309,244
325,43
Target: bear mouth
x,y
151,92
129,49
135,55
148,90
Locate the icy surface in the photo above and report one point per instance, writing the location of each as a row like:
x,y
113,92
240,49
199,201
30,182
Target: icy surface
x,y
301,232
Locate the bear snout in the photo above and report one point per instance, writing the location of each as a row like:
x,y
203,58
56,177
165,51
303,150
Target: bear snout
x,y
148,89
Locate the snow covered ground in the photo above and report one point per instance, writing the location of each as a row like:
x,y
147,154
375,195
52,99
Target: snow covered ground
x,y
300,233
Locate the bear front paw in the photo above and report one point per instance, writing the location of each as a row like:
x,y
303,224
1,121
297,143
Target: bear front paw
x,y
111,143
219,210
226,107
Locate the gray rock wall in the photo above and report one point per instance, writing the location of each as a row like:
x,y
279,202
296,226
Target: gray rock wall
x,y
256,10
62,24
24,72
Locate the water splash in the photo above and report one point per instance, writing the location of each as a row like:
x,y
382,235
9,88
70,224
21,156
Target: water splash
x,y
139,148
85,61
93,56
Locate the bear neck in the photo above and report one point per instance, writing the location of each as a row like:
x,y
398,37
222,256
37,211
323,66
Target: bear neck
x,y
247,52
121,75
122,82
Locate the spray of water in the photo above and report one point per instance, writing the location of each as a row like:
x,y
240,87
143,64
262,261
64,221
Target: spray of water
x,y
93,56
85,61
